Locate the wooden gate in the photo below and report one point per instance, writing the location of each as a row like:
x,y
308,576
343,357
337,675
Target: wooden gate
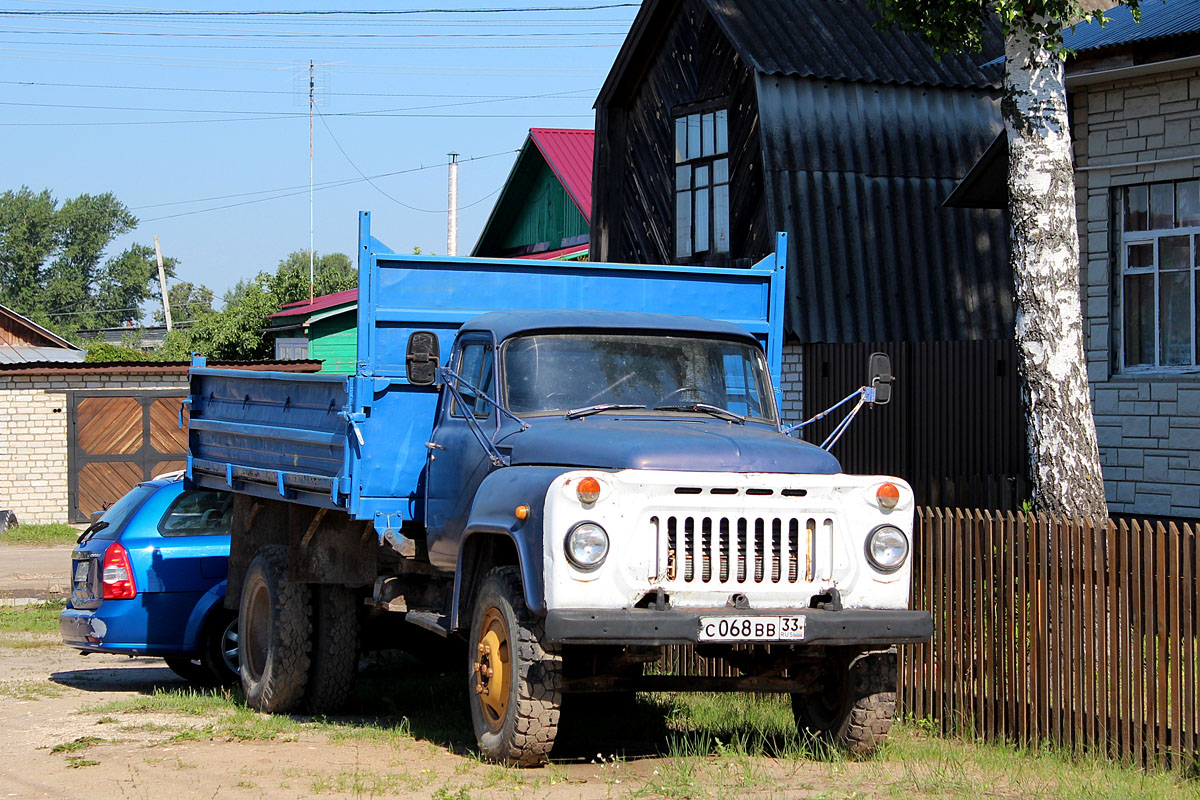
x,y
118,439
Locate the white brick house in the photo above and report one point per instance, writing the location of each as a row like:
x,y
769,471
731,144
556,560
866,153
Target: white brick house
x,y
1135,115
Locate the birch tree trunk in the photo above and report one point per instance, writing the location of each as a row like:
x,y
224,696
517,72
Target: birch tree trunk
x,y
1063,455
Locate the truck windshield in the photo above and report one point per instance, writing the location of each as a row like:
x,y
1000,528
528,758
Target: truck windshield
x,y
556,373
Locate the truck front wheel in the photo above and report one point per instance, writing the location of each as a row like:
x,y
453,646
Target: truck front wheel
x,y
273,640
513,679
851,707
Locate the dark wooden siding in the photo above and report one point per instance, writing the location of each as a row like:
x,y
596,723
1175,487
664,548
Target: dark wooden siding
x,y
633,217
955,428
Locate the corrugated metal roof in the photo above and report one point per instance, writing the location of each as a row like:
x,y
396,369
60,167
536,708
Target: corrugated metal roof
x,y
1159,20
321,303
23,354
569,154
151,367
858,186
839,40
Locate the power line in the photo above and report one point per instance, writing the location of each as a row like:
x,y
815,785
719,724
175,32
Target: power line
x,y
326,185
200,89
300,13
304,190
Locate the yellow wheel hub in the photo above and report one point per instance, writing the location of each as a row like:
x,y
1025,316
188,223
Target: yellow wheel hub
x,y
492,665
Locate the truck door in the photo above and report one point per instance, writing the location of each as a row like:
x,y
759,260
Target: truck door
x,y
457,463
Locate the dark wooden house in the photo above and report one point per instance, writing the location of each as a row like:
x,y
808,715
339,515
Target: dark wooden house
x,y
724,121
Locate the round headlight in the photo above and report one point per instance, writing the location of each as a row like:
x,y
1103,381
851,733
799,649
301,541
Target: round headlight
x,y
887,548
586,545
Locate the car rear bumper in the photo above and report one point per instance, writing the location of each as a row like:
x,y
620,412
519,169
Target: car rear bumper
x,y
857,626
110,632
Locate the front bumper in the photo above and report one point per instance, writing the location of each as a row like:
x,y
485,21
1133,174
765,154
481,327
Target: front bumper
x,y
856,626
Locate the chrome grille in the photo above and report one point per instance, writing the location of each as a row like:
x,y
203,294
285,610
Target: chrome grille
x,y
701,550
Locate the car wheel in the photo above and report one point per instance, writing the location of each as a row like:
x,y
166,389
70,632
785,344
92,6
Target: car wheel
x,y
853,706
192,671
514,679
274,629
219,652
335,649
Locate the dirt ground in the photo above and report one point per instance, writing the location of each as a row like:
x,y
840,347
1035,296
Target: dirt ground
x,y
71,730
50,697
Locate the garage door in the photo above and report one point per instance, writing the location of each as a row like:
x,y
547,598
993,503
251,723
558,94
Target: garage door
x,y
117,440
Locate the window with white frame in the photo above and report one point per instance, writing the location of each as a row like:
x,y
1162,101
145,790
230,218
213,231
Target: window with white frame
x,y
702,183
1160,270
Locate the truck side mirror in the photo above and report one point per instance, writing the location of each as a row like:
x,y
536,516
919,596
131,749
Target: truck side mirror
x,y
422,358
880,371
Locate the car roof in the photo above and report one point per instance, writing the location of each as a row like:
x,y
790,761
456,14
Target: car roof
x,y
512,323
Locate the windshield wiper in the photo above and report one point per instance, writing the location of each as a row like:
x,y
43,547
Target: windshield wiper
x,y
91,531
706,408
587,411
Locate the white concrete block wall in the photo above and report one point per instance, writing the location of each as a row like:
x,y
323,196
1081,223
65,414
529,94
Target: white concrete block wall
x,y
793,384
33,437
1136,130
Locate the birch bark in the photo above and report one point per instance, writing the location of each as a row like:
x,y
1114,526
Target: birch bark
x,y
1063,454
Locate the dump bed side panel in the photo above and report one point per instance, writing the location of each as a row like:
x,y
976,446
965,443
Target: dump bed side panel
x,y
270,434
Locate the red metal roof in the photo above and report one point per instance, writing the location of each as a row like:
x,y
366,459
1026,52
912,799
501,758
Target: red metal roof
x,y
569,153
318,304
548,255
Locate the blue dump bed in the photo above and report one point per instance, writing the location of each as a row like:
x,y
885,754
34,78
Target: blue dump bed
x,y
357,443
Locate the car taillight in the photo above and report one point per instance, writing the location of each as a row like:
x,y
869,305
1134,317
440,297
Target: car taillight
x,y
117,575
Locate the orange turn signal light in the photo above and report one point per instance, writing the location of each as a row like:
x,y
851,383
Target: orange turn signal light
x,y
521,512
588,491
888,496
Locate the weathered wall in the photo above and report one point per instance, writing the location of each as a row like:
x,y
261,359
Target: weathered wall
x,y
1132,131
33,437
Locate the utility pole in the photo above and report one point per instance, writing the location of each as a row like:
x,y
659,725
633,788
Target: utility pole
x,y
312,251
162,284
452,226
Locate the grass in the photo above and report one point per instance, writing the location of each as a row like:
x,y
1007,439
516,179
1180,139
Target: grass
x,y
30,690
75,745
705,746
32,618
40,535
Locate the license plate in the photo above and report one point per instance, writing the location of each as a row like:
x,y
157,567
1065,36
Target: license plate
x,y
81,571
783,628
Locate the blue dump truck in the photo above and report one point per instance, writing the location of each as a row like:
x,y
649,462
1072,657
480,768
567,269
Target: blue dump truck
x,y
571,466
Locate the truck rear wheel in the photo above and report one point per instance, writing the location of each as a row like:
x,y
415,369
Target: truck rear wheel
x,y
513,679
274,629
853,706
334,651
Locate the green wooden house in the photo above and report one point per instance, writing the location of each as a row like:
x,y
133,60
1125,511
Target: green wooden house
x,y
545,208
325,329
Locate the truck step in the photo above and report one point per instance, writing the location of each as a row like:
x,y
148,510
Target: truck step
x,y
430,621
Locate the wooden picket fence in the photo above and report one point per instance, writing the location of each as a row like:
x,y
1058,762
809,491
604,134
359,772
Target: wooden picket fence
x,y
1059,631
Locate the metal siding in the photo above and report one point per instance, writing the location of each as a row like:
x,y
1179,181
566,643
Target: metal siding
x,y
859,184
838,39
1158,20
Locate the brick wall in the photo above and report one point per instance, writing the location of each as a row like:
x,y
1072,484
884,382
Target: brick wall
x,y
33,436
1135,130
793,384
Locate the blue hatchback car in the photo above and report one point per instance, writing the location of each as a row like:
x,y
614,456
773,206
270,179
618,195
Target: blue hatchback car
x,y
148,579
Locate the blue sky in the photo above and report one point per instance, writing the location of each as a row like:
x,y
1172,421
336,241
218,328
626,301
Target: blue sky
x,y
199,121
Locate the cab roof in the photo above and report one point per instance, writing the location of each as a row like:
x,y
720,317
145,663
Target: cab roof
x,y
504,324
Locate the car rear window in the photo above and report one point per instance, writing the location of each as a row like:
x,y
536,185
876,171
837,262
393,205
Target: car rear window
x,y
198,513
115,515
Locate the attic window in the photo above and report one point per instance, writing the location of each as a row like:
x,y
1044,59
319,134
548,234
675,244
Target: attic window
x,y
701,184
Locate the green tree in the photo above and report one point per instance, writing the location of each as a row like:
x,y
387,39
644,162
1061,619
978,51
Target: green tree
x,y
236,332
53,266
1043,234
187,300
